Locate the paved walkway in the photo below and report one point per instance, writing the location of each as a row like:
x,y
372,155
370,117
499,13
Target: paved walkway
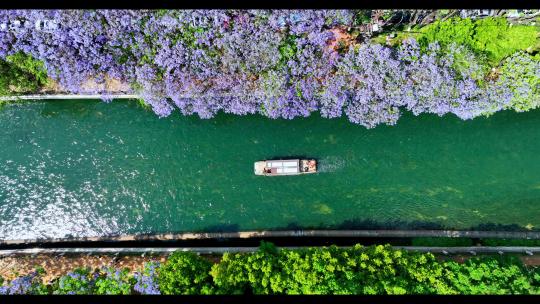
x,y
472,250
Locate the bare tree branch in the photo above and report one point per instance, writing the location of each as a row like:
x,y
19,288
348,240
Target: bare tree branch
x,y
428,18
451,14
415,16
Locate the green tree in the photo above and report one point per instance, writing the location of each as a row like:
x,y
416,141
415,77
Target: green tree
x,y
21,73
488,275
79,281
185,273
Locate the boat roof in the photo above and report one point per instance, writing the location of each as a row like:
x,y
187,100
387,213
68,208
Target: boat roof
x,y
284,166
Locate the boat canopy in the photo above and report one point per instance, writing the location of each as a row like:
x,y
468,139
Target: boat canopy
x,y
284,166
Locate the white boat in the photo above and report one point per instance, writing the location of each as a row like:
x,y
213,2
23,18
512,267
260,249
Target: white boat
x,y
285,167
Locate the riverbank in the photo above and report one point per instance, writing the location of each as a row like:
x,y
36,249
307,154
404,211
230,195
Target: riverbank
x,y
352,270
59,261
59,264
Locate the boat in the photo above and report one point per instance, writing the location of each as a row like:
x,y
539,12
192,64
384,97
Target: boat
x,y
285,167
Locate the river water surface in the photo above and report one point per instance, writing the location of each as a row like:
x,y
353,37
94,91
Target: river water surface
x,y
87,168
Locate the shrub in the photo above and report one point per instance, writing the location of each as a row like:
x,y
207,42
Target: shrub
x,y
185,273
146,280
256,273
28,284
114,282
21,73
77,282
521,74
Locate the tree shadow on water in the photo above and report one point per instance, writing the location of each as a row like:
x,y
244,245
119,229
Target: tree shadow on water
x,y
222,228
368,224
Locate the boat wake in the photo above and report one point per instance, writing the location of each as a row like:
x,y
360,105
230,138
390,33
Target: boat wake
x,y
330,164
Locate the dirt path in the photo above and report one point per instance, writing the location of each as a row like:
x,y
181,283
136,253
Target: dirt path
x,y
55,266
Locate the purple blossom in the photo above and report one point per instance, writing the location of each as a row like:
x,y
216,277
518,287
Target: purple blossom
x,y
273,62
19,286
147,280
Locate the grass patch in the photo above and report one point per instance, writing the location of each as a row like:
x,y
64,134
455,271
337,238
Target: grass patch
x,y
492,37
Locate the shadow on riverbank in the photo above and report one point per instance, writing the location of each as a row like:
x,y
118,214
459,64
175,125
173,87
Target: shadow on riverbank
x,y
347,233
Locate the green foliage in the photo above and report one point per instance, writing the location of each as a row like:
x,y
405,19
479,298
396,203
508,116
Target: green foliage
x,y
441,241
362,17
492,37
488,276
359,270
498,39
79,282
535,280
20,73
287,50
268,248
188,36
467,63
28,64
372,270
457,30
185,273
41,289
367,270
143,104
521,73
114,282
255,273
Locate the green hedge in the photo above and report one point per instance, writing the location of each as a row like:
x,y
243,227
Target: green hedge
x,y
358,270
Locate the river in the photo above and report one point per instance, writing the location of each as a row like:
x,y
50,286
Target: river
x,y
87,168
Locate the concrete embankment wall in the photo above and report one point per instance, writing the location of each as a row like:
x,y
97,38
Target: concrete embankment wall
x,y
287,234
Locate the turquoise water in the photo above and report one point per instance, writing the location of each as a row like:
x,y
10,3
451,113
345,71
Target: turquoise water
x,y
86,168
